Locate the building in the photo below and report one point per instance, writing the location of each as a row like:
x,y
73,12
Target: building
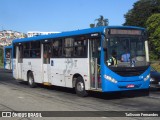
x,y
6,36
37,33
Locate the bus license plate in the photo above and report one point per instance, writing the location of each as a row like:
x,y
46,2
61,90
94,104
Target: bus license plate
x,y
130,86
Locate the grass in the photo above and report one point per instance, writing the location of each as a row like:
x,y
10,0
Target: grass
x,y
1,64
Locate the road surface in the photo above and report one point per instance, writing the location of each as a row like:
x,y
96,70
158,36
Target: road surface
x,y
18,96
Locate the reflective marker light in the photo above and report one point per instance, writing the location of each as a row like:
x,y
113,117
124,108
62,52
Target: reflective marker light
x,y
110,78
147,77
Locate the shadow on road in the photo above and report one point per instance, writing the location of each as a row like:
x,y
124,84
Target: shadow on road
x,y
7,77
100,95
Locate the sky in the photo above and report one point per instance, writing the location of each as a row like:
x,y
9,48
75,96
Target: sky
x,y
60,15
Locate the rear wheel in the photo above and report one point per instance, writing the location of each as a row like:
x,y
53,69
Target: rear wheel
x,y
80,87
31,82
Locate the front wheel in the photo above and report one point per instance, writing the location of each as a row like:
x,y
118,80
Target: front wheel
x,y
80,87
31,82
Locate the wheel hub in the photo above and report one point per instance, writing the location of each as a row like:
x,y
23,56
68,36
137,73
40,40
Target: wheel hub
x,y
80,86
30,80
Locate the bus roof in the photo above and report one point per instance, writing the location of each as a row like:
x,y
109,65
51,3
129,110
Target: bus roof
x,y
73,33
5,47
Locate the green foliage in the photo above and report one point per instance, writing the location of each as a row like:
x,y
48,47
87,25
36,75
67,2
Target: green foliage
x,y
92,25
153,56
156,65
100,22
146,13
140,12
153,27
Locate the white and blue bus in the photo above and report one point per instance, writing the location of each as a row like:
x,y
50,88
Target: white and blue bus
x,y
7,57
84,59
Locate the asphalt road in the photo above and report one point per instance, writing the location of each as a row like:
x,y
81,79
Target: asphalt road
x,y
18,96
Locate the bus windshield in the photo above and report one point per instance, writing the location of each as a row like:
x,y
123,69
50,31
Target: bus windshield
x,y
126,52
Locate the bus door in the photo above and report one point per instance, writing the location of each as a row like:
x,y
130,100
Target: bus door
x,y
8,58
58,64
19,52
95,63
46,62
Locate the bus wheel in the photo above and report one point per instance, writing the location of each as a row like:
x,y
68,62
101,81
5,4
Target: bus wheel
x,y
80,87
31,82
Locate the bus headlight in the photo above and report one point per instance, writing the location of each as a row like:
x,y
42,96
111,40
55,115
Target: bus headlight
x,y
110,78
147,77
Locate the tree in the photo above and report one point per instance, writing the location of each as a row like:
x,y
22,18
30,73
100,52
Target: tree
x,y
101,21
140,12
92,25
153,27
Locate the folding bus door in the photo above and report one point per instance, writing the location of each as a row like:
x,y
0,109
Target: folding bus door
x,y
95,63
19,52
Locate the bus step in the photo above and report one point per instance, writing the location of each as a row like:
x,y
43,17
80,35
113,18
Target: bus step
x,y
47,83
98,89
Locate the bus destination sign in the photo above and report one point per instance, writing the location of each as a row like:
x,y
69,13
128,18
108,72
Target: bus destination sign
x,y
126,32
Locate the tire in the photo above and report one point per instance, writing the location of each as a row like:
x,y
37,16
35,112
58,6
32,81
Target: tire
x,y
31,82
80,87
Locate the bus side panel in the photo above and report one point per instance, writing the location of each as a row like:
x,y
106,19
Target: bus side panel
x,y
15,71
58,68
62,71
25,68
77,66
33,65
36,67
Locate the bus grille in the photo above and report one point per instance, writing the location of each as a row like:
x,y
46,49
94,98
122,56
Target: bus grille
x,y
129,73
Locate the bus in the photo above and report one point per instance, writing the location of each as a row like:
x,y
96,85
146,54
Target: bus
x,y
8,57
81,59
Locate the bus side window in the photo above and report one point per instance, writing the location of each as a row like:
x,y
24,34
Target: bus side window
x,y
68,47
35,49
57,48
80,48
7,53
26,50
20,54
